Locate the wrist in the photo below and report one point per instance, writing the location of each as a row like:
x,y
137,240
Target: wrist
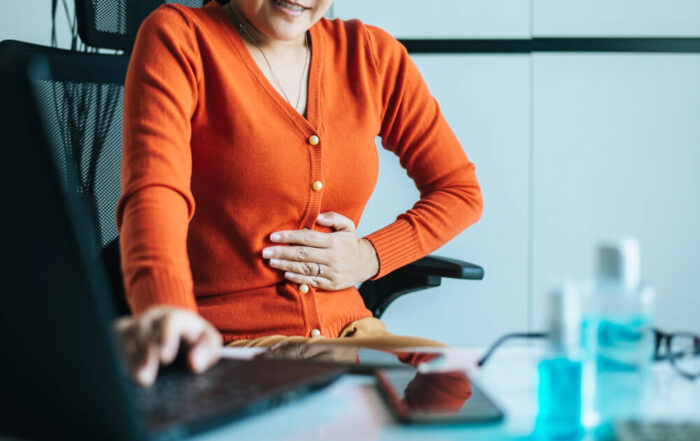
x,y
372,260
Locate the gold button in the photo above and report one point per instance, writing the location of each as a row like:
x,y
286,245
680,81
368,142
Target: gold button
x,y
314,140
303,288
317,186
315,332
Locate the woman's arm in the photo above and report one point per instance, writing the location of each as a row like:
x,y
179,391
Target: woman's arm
x,y
416,131
156,205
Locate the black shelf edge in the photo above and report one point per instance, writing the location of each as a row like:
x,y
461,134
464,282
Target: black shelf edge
x,y
527,46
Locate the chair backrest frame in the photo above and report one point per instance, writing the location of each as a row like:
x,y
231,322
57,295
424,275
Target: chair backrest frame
x,y
113,24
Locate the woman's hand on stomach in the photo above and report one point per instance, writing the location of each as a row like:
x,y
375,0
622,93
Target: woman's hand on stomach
x,y
329,261
155,337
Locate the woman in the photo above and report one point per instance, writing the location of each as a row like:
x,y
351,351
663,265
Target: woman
x,y
248,158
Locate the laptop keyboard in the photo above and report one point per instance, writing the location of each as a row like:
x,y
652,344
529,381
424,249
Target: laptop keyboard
x,y
230,388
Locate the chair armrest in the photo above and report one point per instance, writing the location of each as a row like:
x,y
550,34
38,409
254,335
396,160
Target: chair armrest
x,y
422,274
446,267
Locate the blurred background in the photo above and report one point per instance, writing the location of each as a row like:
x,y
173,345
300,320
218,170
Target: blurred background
x,y
574,141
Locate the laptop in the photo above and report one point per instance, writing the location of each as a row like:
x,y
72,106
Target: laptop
x,y
61,373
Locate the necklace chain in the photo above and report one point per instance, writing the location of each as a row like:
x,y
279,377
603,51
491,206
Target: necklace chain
x,y
244,30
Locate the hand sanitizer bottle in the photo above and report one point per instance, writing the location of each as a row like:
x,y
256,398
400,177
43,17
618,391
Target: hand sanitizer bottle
x,y
559,374
617,340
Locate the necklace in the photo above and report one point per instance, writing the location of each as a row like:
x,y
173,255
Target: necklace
x,y
244,30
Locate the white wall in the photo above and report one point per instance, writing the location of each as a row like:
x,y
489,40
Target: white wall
x,y
616,151
620,18
486,94
30,20
442,18
570,149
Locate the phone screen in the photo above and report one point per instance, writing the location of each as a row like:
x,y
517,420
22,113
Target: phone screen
x,y
448,396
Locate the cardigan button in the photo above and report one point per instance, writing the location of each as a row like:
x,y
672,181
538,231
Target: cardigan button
x,y
317,186
314,140
315,333
303,288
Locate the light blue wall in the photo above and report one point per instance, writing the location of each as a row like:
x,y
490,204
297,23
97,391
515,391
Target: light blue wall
x,y
570,149
616,151
487,106
30,20
611,18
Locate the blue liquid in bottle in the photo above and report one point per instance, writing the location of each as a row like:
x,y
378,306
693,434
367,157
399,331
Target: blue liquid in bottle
x,y
559,398
617,352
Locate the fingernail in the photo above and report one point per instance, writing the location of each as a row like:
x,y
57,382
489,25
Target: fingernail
x,y
275,237
321,216
274,262
145,376
267,253
200,360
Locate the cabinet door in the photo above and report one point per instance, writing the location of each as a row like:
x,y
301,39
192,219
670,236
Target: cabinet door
x,y
441,19
617,152
485,99
606,18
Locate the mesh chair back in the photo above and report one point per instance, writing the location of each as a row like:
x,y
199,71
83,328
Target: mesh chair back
x,y
113,24
80,98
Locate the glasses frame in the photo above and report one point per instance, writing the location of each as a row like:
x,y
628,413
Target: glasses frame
x,y
663,340
484,358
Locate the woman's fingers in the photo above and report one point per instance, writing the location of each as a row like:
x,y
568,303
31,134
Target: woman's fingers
x,y
305,268
168,338
147,354
302,237
336,221
206,351
154,337
296,253
315,281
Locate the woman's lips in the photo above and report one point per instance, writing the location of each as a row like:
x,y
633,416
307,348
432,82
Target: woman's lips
x,y
288,8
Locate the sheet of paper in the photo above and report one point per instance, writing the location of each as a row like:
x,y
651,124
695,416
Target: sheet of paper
x,y
240,353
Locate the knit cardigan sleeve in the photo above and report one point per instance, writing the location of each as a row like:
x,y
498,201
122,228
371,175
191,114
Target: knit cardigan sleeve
x,y
415,130
156,205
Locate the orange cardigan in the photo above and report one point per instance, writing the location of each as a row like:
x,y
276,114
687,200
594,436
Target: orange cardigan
x,y
215,160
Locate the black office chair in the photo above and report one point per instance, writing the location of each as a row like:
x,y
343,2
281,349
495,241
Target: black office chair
x,y
81,97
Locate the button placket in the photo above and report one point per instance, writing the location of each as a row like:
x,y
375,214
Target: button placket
x,y
305,291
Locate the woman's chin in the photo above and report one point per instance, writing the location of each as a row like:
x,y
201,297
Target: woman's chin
x,y
287,33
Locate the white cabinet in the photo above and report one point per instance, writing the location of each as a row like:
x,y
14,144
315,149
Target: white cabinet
x,y
442,18
616,151
616,18
486,102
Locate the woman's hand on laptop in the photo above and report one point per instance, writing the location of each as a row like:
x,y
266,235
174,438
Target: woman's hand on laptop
x,y
155,337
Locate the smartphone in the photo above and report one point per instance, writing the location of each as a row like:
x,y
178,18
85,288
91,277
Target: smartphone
x,y
436,397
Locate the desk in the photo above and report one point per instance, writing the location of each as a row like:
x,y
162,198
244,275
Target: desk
x,y
351,409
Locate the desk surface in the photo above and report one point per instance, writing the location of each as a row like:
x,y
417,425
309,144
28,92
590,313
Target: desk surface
x,y
352,409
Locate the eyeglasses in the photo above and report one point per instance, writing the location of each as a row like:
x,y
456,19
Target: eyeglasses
x,y
484,358
681,349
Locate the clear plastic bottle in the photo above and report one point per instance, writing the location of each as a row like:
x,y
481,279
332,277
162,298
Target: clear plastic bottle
x,y
559,374
616,336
